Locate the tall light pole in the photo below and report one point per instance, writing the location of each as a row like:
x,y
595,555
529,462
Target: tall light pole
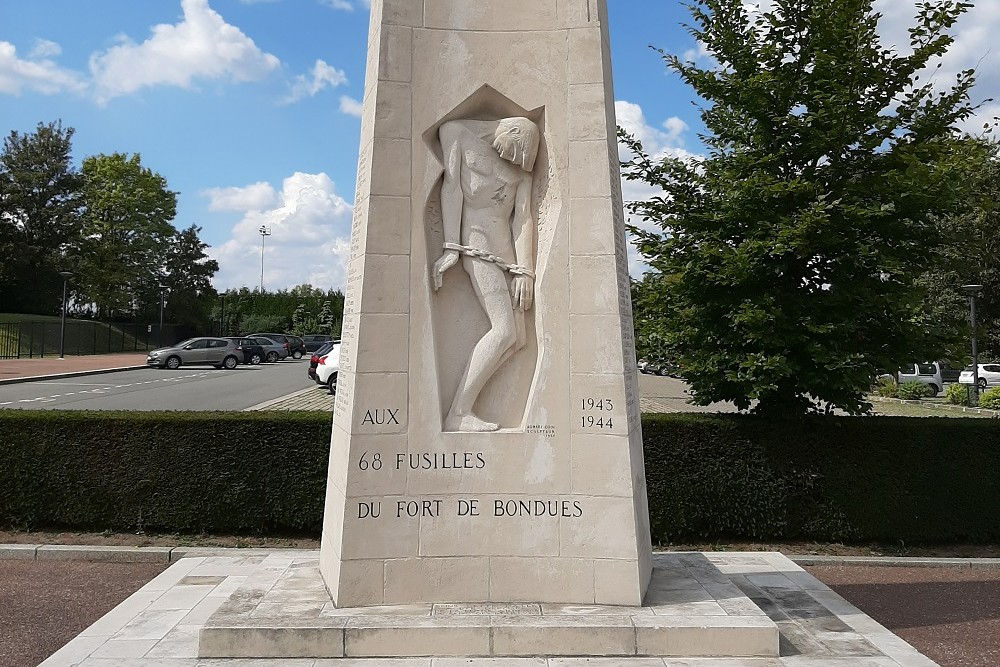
x,y
971,291
159,333
264,232
66,275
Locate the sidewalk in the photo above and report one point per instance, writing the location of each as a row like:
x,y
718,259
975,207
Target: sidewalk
x,y
25,370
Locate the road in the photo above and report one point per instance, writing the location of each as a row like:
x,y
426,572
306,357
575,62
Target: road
x,y
187,388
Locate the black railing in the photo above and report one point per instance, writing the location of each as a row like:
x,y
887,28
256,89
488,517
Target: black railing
x,y
26,340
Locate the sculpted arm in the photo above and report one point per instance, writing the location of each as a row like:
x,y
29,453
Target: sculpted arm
x,y
452,198
523,228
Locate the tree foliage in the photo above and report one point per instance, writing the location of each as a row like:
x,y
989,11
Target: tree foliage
x,y
110,224
127,230
303,309
789,255
970,255
39,217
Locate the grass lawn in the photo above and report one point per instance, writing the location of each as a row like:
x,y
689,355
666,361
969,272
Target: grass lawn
x,y
918,410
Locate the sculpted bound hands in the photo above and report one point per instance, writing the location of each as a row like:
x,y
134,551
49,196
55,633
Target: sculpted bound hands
x,y
445,262
522,289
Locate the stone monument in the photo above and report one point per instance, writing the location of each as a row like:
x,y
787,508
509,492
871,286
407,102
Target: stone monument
x,y
486,492
486,443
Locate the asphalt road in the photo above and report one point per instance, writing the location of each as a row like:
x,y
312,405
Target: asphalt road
x,y
187,388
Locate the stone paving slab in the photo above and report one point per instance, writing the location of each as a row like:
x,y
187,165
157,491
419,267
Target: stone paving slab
x,y
158,626
691,610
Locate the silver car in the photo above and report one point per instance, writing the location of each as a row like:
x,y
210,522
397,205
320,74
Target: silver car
x,y
272,351
217,352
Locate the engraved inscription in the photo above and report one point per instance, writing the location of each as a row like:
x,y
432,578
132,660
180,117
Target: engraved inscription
x,y
487,609
547,430
596,413
522,508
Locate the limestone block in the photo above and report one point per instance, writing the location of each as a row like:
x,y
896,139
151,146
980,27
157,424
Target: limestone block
x,y
411,580
542,580
600,467
487,356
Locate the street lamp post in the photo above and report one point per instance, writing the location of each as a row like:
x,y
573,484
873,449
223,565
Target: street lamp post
x,y
264,232
159,333
66,275
971,291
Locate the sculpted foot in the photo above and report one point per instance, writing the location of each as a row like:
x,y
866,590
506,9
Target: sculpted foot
x,y
469,422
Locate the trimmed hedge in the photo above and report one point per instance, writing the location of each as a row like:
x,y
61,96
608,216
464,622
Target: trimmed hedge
x,y
189,472
856,479
708,476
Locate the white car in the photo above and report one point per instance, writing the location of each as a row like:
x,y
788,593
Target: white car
x,y
989,375
327,368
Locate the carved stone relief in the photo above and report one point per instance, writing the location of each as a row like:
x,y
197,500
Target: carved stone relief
x,y
484,223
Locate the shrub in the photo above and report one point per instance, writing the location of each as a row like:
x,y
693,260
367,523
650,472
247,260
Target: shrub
x,y
990,399
957,394
164,471
858,479
886,387
913,390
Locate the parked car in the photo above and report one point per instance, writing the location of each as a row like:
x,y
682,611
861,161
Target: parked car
x,y
272,351
328,367
949,374
656,367
297,347
314,360
315,341
218,352
280,339
989,375
928,372
253,352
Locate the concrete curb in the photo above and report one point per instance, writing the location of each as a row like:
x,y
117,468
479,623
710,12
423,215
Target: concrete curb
x,y
71,374
892,561
124,554
280,399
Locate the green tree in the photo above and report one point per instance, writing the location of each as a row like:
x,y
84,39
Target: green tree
x,y
127,231
971,255
187,273
792,250
39,217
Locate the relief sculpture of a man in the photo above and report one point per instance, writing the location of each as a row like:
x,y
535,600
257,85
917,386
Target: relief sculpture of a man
x,y
489,226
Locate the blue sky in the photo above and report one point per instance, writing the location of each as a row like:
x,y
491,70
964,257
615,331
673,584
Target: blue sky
x,y
250,108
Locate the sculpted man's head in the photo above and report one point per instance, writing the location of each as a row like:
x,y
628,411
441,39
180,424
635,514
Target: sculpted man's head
x,y
516,139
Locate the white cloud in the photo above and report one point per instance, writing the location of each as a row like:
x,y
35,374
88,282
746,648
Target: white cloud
x,y
201,46
351,106
256,197
310,235
321,76
338,4
36,73
45,48
658,142
974,38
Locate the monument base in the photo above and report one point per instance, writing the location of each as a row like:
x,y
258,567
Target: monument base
x,y
690,610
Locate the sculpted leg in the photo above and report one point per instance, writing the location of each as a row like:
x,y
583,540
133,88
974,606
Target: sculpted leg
x,y
490,284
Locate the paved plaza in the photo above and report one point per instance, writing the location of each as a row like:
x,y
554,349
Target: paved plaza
x,y
159,625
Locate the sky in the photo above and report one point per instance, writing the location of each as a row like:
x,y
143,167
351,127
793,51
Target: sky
x,y
250,109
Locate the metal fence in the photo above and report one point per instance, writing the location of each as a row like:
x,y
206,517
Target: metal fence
x,y
26,340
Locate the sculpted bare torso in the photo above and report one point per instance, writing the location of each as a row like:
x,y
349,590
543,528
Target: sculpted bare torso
x,y
485,201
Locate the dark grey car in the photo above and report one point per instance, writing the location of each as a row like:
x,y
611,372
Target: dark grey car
x,y
217,352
